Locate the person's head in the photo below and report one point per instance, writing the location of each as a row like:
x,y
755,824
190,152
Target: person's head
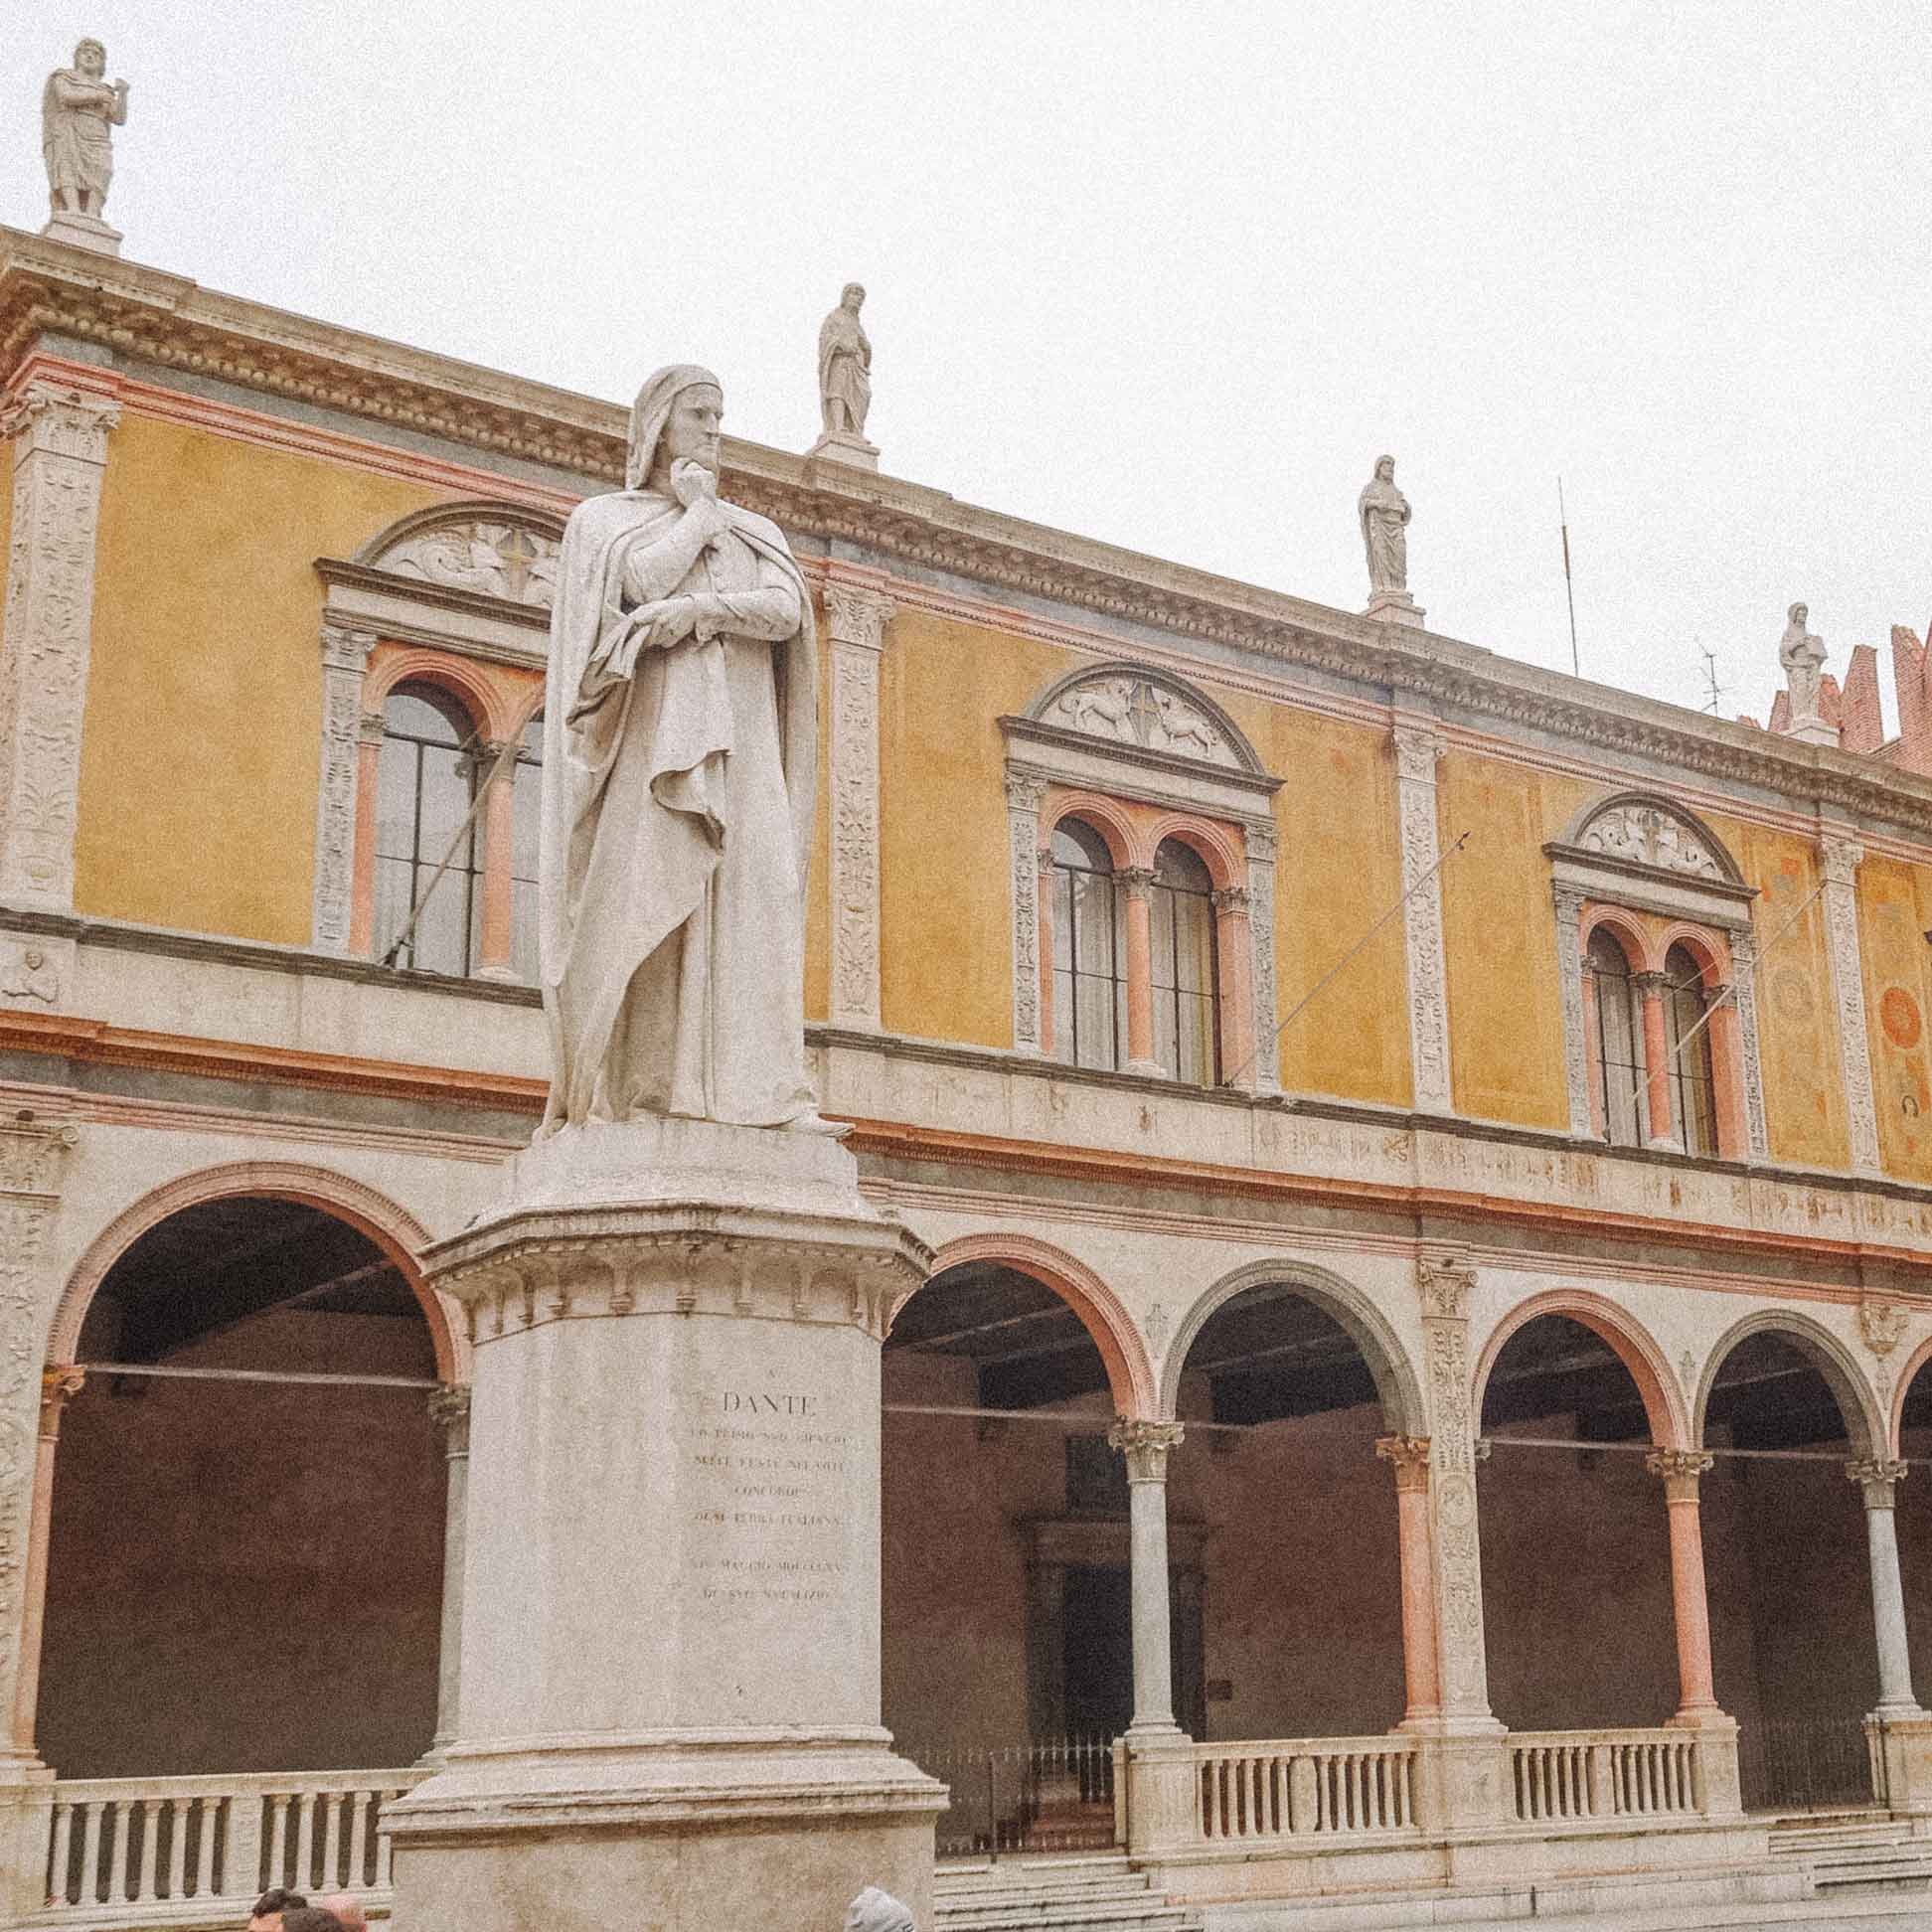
x,y
90,59
1799,616
346,1908
309,1918
853,296
878,1911
677,416
1385,469
272,1908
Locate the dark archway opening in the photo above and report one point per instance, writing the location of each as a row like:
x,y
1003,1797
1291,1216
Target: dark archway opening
x,y
245,1575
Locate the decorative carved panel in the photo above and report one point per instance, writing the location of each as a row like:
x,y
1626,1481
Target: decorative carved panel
x,y
1646,835
504,559
1152,714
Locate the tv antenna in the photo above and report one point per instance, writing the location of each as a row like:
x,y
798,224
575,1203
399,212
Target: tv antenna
x,y
1569,593
1715,697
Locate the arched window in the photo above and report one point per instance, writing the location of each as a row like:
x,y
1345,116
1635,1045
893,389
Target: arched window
x,y
1185,980
423,781
526,821
1090,949
1620,1040
1694,1086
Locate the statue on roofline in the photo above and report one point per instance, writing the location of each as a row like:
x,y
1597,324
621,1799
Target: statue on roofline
x,y
1803,656
1383,512
78,107
844,366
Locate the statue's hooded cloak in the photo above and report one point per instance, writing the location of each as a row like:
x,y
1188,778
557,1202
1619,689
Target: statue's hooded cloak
x,y
612,890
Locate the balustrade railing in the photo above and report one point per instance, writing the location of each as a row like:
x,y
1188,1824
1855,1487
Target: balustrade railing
x,y
1051,1795
1324,1787
1567,1777
161,1842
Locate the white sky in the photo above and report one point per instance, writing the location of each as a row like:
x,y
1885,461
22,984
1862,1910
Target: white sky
x,y
1168,274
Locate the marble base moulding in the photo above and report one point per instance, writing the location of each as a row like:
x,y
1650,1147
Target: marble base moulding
x,y
671,1681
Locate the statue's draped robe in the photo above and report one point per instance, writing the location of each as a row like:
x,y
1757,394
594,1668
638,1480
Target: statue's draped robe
x,y
678,812
74,116
1383,509
844,381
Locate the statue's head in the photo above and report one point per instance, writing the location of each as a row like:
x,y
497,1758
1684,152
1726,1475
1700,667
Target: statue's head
x,y
90,59
1384,469
1798,615
678,417
878,1911
853,294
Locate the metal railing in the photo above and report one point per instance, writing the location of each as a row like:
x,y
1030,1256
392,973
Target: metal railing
x,y
1052,1794
1808,1764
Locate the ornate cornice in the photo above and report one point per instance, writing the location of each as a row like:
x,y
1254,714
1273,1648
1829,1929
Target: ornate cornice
x,y
169,322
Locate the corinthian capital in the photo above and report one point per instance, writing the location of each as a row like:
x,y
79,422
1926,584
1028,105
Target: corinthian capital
x,y
1446,1286
1843,857
53,420
1410,1457
1879,1477
449,1410
1146,1446
857,616
1680,1470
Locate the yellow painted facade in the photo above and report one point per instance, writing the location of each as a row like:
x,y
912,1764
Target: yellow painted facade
x,y
206,641
1895,909
945,915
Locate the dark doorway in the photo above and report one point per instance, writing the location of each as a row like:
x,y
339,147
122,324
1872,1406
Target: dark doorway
x,y
1097,1626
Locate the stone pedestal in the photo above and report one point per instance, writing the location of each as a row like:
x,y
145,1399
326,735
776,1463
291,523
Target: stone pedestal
x,y
837,446
670,1677
1812,730
84,232
1901,1764
1395,608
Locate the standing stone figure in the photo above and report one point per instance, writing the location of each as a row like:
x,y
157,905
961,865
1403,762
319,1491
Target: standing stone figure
x,y
844,368
1802,658
680,773
77,107
1383,512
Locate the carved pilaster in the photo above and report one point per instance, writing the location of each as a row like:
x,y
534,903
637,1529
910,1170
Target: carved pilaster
x,y
60,454
33,1155
1576,1036
1266,1074
855,620
1146,1446
1023,796
1743,994
345,729
1445,1285
1842,858
1878,1478
1416,753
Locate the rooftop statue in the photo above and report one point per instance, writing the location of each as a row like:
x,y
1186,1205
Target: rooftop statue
x,y
1383,512
680,770
844,366
1802,658
78,108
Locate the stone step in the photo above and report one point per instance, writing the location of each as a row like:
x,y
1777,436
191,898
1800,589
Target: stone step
x,y
1095,1893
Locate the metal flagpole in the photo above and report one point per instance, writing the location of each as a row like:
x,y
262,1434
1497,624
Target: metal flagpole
x,y
1563,518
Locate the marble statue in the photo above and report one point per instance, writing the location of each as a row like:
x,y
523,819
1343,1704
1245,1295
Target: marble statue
x,y
1802,658
77,107
878,1911
680,773
1383,512
844,366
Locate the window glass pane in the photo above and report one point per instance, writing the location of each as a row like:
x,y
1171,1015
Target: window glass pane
x,y
1093,922
442,925
523,929
1063,891
1693,1088
1182,866
1063,1040
527,804
1194,943
1079,844
1094,1003
1621,1040
396,776
1167,1043
393,878
415,713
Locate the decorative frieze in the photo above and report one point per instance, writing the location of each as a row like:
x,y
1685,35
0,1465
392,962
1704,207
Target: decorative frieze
x,y
1025,794
1416,753
1743,996
1259,838
1842,859
33,1155
346,727
1576,1036
60,450
855,619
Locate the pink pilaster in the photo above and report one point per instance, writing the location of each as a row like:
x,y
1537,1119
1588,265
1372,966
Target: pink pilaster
x,y
1421,1667
57,1384
493,938
1234,959
1135,881
1680,1470
1657,1059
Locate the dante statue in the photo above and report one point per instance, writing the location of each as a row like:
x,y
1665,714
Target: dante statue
x,y
1802,658
77,106
680,783
1383,512
844,366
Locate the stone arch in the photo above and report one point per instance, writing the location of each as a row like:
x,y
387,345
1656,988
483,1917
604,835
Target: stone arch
x,y
1208,841
1710,949
1865,1420
1381,1348
1130,1375
1629,1340
1185,722
1686,838
468,682
1623,927
1896,1422
1114,826
392,1229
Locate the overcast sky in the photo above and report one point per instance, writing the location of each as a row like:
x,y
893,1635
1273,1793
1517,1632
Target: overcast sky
x,y
1168,274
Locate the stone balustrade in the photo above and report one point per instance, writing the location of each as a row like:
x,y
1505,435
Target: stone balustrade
x,y
1331,1787
123,1849
1581,1777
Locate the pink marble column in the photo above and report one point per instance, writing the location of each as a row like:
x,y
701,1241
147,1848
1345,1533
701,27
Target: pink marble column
x,y
1234,961
1680,1470
1726,1066
493,934
1421,1667
1135,880
1657,1059
362,880
57,1384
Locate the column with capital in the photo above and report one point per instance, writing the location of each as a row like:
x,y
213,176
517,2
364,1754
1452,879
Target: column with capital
x,y
60,437
1680,1470
345,800
494,766
1032,971
1136,881
1160,1757
1898,1731
1663,1130
1409,1456
1842,858
1417,749
855,619
449,1410
1234,959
